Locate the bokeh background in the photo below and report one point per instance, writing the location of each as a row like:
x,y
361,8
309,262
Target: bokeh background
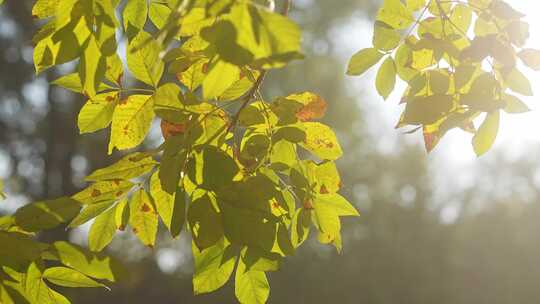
x,y
440,228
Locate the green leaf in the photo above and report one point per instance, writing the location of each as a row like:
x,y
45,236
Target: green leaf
x,y
103,191
95,265
121,214
262,225
131,121
44,8
530,58
386,78
363,60
461,17
258,260
37,291
518,82
102,230
212,168
130,166
171,208
159,13
321,141
426,110
514,105
143,59
250,286
46,214
205,220
134,16
89,212
271,38
97,112
213,267
19,247
67,277
486,134
71,82
385,38
143,218
220,77
91,68
395,14
172,163
300,226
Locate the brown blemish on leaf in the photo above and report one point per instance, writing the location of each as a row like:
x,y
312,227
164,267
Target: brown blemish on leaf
x,y
145,208
119,193
171,129
308,204
323,190
95,193
314,109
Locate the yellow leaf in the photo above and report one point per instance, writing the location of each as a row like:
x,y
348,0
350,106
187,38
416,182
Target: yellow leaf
x,y
131,121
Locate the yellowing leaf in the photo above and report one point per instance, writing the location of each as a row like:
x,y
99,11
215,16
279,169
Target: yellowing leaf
x,y
386,78
486,134
130,166
131,121
321,141
313,106
103,191
143,218
363,60
97,112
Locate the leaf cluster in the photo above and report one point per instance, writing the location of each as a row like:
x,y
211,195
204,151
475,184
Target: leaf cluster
x,y
460,60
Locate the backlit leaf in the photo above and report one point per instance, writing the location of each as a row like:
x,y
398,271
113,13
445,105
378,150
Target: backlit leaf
x,y
363,60
131,121
486,134
67,277
130,166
